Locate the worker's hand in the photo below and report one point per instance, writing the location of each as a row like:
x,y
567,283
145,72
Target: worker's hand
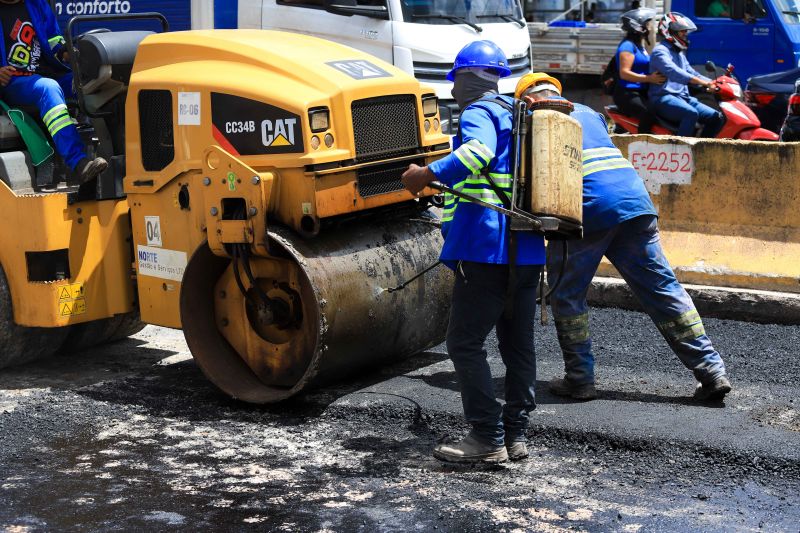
x,y
656,77
5,74
416,178
65,55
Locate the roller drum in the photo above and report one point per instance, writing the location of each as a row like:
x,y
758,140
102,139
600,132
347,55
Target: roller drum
x,y
335,287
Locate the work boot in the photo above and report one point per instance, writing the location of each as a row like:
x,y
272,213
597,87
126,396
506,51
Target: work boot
x,y
562,387
470,450
714,390
86,169
517,450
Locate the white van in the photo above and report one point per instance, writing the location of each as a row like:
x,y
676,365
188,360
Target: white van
x,y
421,37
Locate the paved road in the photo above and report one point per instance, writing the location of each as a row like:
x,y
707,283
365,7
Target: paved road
x,y
131,436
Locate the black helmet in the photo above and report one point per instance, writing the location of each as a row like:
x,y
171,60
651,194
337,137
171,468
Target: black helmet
x,y
635,20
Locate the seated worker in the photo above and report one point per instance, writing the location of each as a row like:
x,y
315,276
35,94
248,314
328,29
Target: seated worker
x,y
718,8
671,100
633,64
621,223
34,73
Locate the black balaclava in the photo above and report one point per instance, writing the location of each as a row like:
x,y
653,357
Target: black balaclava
x,y
470,85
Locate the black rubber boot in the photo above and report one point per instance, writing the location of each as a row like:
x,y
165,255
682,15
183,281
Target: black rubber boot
x,y
562,387
470,450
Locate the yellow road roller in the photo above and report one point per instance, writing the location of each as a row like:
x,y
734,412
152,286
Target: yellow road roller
x,y
253,200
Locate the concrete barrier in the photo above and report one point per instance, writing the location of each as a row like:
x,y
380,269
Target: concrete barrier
x,y
729,214
729,210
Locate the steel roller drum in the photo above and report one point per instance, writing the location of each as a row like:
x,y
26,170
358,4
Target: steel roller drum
x,y
336,285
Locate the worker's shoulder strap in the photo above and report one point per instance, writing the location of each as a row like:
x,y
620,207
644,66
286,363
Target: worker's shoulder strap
x,y
492,99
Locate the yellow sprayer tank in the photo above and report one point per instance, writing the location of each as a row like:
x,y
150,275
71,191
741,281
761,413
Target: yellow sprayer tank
x,y
553,156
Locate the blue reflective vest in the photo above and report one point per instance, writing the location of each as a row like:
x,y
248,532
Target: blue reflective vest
x,y
46,26
472,232
612,190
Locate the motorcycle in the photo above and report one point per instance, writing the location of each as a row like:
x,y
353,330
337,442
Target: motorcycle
x,y
739,120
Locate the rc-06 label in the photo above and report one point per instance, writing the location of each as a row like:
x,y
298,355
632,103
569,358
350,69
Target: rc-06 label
x,y
248,127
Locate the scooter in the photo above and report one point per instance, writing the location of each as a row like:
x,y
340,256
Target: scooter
x,y
739,120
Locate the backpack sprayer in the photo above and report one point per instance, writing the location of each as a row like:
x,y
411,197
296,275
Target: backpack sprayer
x,y
547,177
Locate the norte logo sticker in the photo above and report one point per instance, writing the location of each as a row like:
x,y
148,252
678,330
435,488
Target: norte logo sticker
x,y
248,127
359,69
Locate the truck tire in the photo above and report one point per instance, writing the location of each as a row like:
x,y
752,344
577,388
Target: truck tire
x,y
21,344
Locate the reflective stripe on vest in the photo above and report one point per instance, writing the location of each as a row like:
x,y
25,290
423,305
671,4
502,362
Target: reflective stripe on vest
x,y
477,186
606,158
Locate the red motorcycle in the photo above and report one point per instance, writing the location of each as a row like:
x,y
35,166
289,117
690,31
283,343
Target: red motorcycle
x,y
739,120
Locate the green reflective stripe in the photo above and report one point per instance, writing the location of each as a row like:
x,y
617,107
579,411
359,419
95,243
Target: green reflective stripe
x,y
501,180
59,125
573,329
470,153
57,119
686,325
55,41
466,163
483,194
608,166
472,156
481,149
604,162
591,153
57,110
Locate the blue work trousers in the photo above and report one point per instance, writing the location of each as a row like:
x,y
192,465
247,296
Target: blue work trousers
x,y
687,112
47,94
634,248
479,300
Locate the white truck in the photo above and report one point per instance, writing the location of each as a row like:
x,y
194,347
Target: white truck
x,y
421,37
576,36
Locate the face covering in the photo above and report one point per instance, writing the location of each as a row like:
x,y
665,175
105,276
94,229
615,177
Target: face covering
x,y
470,86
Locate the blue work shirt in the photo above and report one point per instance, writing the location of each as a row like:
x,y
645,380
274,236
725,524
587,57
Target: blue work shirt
x,y
672,63
472,232
612,190
641,63
50,39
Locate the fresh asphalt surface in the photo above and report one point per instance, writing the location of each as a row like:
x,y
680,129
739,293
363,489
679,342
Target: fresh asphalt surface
x,y
131,436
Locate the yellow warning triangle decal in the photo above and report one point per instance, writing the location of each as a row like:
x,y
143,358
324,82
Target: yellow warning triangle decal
x,y
65,294
66,310
280,140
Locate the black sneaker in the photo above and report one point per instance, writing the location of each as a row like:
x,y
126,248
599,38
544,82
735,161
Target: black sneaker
x,y
562,387
88,169
470,450
714,390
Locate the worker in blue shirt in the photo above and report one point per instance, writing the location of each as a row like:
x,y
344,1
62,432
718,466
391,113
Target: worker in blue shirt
x,y
478,245
34,73
671,100
621,223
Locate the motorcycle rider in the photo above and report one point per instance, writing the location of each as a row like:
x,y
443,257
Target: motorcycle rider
x,y
633,64
671,100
